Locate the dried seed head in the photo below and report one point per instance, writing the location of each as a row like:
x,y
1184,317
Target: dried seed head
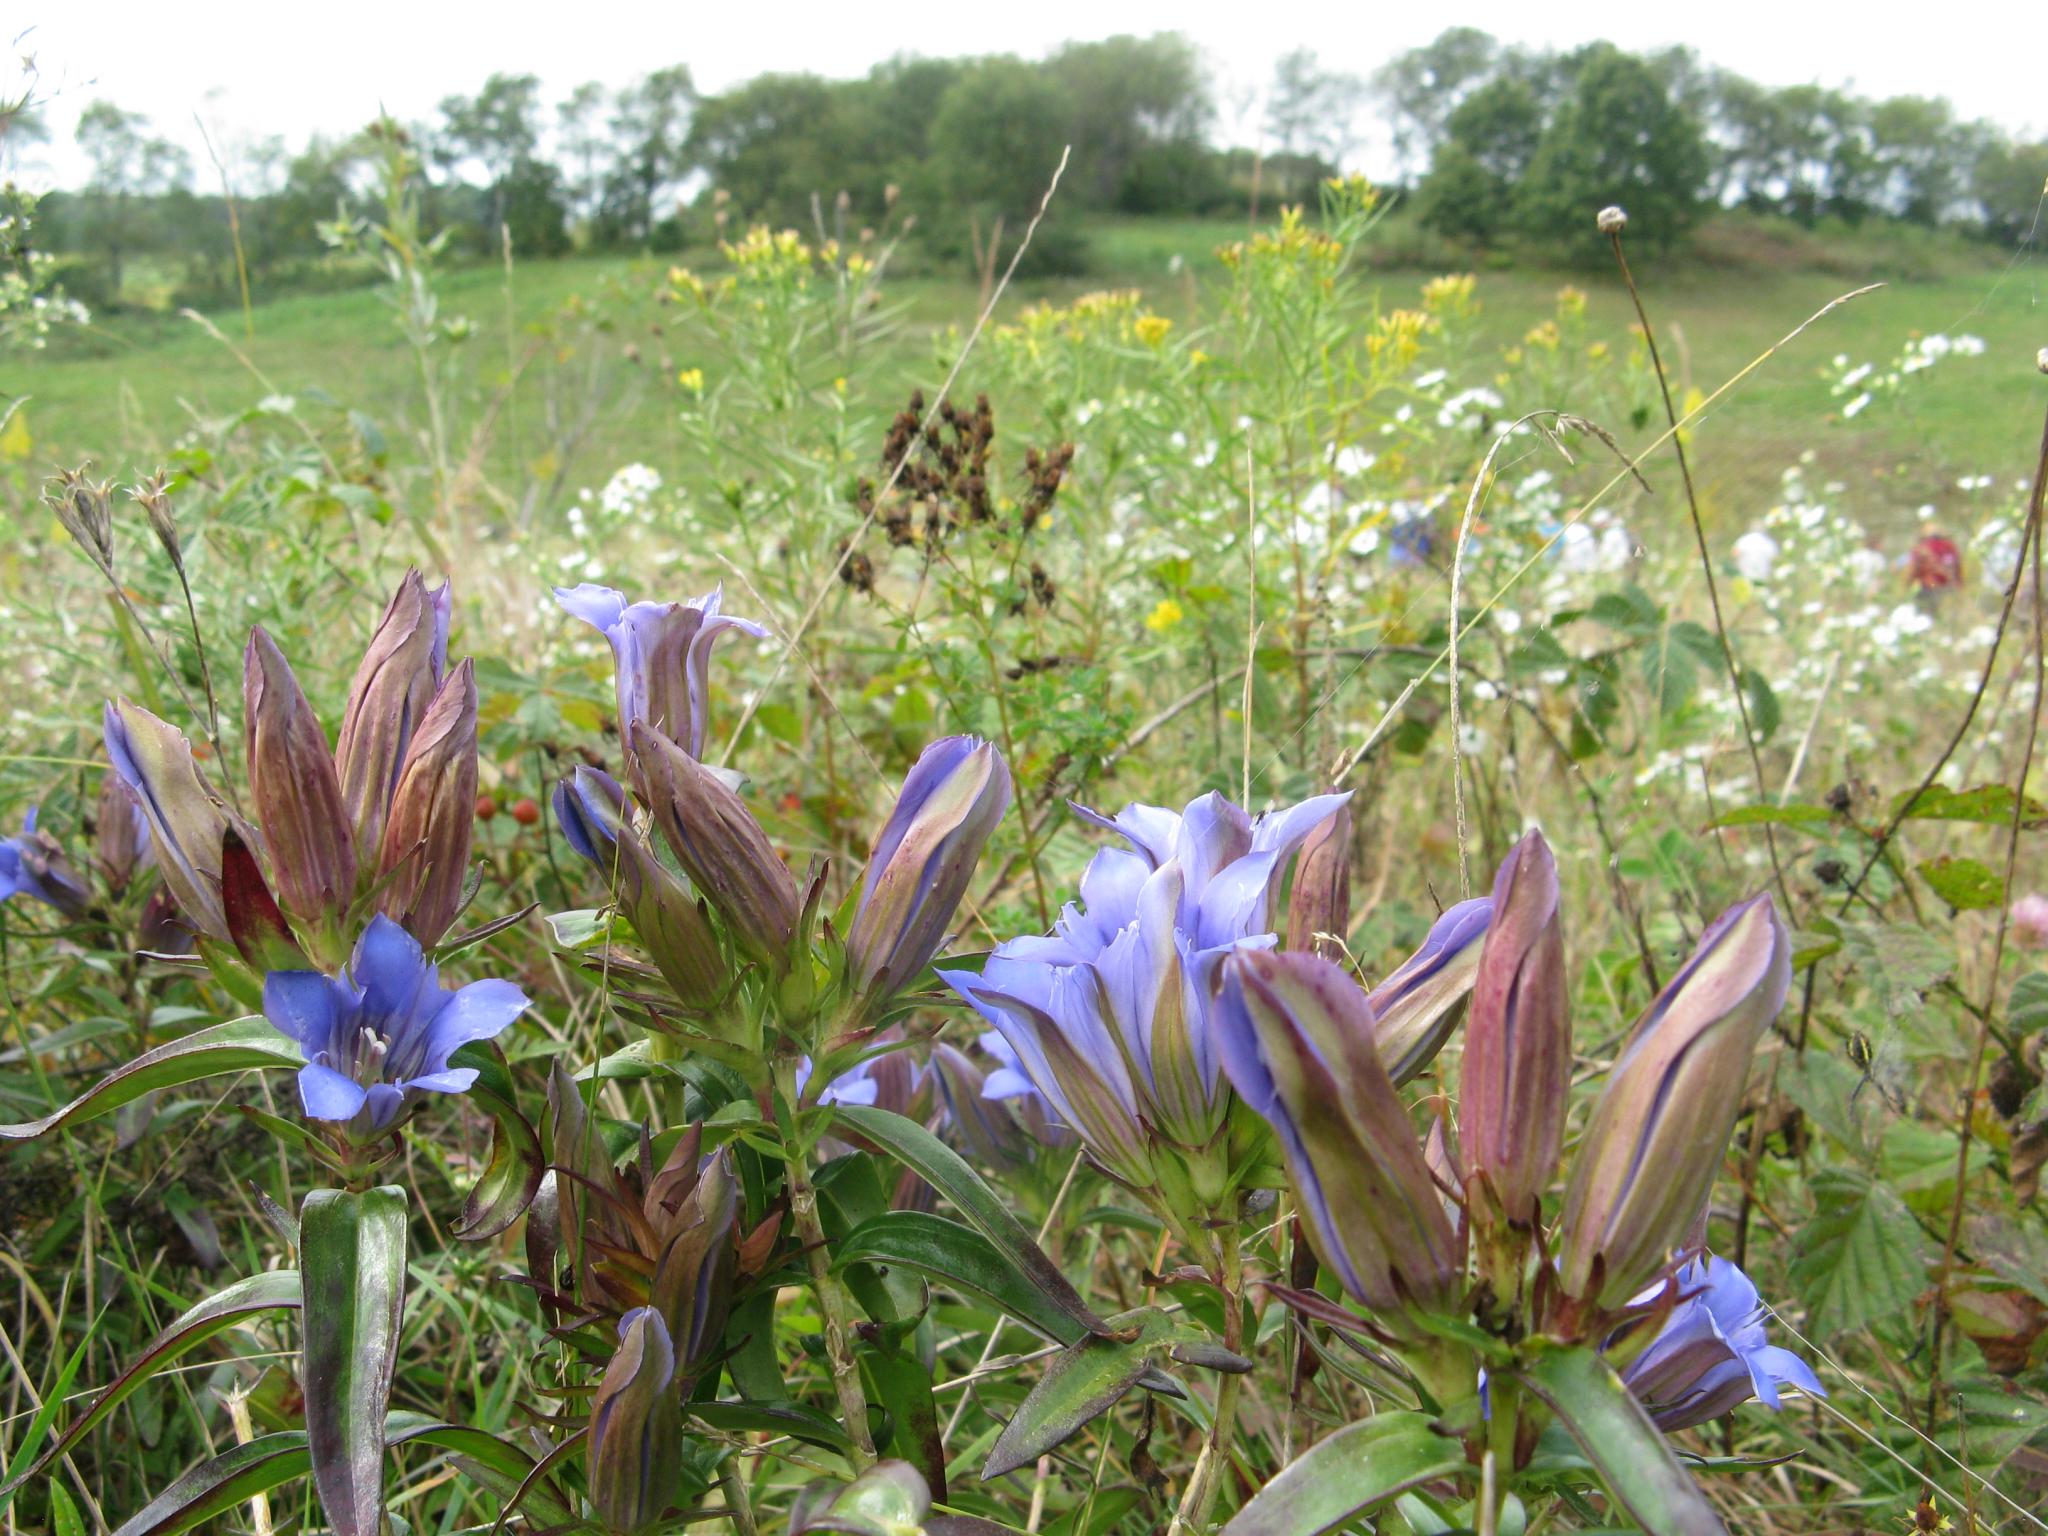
x,y
2041,359
1612,219
153,496
86,513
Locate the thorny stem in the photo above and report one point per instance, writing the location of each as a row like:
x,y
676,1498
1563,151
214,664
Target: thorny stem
x,y
2030,540
1699,533
1193,1513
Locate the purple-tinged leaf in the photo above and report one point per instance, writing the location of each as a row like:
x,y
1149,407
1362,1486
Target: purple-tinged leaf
x,y
352,1258
1361,1465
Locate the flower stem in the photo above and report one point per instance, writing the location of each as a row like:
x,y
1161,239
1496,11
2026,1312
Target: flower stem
x,y
1193,1513
803,1209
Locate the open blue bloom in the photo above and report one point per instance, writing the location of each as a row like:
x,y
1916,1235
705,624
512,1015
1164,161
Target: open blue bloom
x,y
662,655
1109,1015
1712,1354
378,1036
856,1085
31,864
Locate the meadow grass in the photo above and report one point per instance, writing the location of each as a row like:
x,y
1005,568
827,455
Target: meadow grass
x,y
118,394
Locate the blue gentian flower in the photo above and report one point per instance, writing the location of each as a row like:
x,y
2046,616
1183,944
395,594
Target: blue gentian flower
x,y
1712,1353
662,653
1109,1015
378,1036
32,864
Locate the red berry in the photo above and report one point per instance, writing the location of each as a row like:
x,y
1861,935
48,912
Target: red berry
x,y
486,807
525,812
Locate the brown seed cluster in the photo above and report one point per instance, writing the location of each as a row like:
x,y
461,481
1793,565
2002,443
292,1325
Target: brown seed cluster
x,y
943,483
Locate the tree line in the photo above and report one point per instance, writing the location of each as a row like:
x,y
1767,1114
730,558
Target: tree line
x,y
1499,144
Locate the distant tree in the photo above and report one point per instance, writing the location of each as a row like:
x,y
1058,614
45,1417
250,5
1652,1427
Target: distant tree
x,y
498,128
128,165
585,144
533,209
1125,95
1489,141
1617,138
2008,182
1312,112
771,145
995,139
1422,87
1924,156
651,126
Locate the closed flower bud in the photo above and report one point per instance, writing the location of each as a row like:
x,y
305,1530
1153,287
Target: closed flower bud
x,y
425,858
154,762
1296,1037
721,848
1518,1038
120,834
1661,1126
636,1428
1418,1005
951,802
1319,908
393,688
295,790
590,808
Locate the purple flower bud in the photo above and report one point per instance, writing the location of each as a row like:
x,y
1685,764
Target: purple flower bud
x,y
33,864
377,1037
951,802
662,657
396,682
120,835
1296,1035
295,790
1319,908
1417,1006
721,848
425,858
154,761
1661,1125
635,1454
1712,1352
590,808
1516,1077
986,1130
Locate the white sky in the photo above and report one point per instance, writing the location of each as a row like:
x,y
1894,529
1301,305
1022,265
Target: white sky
x,y
254,69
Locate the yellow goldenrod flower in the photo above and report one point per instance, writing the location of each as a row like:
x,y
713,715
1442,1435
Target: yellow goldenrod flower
x,y
1163,617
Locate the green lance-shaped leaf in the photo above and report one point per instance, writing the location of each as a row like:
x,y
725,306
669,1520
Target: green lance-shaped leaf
x,y
352,1257
1338,1478
1628,1451
220,1050
1083,1382
959,1257
775,1418
272,1291
270,1461
947,1172
511,1179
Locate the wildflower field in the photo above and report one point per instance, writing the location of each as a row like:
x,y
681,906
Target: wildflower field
x,y
1296,898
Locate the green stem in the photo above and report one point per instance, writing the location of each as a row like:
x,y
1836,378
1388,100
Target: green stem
x,y
1200,1496
803,1209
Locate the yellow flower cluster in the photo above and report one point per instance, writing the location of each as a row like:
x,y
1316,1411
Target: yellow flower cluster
x,y
1452,296
1293,245
1571,303
1110,314
763,255
1396,338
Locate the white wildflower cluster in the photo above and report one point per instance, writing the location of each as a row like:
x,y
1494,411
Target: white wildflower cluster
x,y
1860,384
